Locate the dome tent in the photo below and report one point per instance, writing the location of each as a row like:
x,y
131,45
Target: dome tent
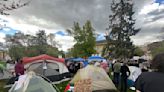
x,y
52,68
96,58
100,82
134,73
31,83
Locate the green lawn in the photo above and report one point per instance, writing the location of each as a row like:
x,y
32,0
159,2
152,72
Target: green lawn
x,y
62,86
2,84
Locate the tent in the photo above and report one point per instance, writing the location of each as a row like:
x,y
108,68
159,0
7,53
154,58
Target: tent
x,y
134,73
96,58
52,68
48,66
78,59
99,79
32,83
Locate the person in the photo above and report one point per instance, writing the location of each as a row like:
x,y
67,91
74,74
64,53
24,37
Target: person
x,y
19,68
152,81
116,69
125,73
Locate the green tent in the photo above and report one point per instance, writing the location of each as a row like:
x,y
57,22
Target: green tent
x,y
32,83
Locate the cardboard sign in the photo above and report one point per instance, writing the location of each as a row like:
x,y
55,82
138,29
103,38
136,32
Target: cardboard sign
x,y
83,86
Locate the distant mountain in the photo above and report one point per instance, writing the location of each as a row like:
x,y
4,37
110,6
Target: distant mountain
x,y
156,47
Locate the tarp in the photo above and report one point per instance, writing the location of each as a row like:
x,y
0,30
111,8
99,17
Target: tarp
x,y
99,78
41,57
31,83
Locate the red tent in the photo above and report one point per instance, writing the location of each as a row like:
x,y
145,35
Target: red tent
x,y
41,57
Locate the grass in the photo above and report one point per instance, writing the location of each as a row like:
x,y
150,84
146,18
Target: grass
x,y
2,84
62,86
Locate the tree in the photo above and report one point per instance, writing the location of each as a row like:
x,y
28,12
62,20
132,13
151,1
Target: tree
x,y
156,48
8,5
122,28
138,51
41,39
21,45
85,40
52,41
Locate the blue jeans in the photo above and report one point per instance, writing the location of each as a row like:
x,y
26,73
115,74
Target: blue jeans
x,y
116,79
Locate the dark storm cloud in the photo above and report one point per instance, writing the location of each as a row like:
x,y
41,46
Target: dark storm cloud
x,y
156,12
63,13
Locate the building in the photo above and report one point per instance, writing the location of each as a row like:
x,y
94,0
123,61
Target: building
x,y
99,46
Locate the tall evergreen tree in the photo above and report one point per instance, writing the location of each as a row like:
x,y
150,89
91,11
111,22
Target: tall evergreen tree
x,y
122,28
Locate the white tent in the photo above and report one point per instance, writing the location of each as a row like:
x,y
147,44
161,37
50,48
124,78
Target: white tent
x,y
99,78
31,83
134,73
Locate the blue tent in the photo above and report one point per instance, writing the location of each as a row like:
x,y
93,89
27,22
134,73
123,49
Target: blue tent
x,y
78,59
85,63
95,58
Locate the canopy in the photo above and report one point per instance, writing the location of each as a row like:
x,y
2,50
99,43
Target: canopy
x,y
41,57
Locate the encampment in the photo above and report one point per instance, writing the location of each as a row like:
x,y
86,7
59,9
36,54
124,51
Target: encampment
x,y
99,80
32,83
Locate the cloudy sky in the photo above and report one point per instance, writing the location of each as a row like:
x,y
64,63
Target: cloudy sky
x,y
55,16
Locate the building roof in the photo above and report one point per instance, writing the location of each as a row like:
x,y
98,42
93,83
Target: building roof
x,y
101,41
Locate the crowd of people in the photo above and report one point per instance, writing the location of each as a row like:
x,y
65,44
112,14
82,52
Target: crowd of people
x,y
150,80
123,70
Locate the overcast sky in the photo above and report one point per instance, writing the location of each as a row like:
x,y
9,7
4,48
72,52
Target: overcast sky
x,y
58,15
